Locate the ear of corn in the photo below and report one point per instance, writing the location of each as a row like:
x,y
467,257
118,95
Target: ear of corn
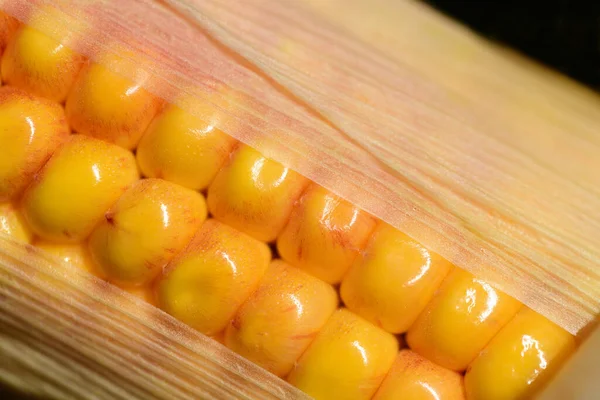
x,y
79,198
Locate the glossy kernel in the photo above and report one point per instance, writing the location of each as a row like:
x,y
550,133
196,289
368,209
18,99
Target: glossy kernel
x,y
519,360
13,224
206,284
413,377
39,64
70,195
278,322
184,149
392,281
151,222
107,106
255,194
75,254
460,320
347,360
31,129
324,234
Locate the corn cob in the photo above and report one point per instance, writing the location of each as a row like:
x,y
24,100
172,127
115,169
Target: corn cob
x,y
81,193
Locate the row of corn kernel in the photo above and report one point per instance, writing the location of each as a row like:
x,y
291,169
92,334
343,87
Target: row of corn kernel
x,y
295,242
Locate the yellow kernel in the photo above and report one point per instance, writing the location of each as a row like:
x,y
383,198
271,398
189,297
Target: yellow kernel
x,y
75,254
413,377
13,224
278,322
184,149
519,360
39,64
324,234
219,337
107,106
151,222
392,281
255,194
142,292
460,320
347,360
206,284
70,195
31,129
8,25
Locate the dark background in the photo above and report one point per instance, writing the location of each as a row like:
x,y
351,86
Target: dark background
x,y
561,34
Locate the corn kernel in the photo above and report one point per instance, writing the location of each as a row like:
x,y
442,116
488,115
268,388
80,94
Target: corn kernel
x,y
39,64
520,359
75,254
151,222
107,106
183,149
460,320
324,234
79,183
278,322
31,129
347,360
142,292
392,281
13,224
255,194
219,337
206,284
8,25
413,377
